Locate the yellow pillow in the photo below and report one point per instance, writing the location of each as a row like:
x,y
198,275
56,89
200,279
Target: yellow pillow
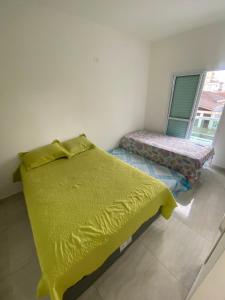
x,y
43,155
77,145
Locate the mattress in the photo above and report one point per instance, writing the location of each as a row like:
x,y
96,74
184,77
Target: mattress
x,y
82,209
175,181
181,155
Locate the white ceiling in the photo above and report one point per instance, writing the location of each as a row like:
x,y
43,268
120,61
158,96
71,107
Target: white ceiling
x,y
149,19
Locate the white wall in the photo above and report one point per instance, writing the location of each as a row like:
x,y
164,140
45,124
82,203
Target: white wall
x,y
59,76
199,49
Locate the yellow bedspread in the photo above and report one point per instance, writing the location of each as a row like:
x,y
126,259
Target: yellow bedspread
x,y
82,209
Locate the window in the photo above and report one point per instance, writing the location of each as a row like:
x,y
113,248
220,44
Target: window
x,y
182,102
196,123
196,105
205,124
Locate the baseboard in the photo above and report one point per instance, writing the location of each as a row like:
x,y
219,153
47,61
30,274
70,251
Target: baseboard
x,y
10,191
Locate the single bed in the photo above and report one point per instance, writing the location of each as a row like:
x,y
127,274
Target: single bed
x,y
181,155
175,181
81,210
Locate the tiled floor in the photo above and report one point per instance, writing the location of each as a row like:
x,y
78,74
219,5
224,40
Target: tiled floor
x,y
161,265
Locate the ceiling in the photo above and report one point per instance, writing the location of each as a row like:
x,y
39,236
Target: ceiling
x,y
149,19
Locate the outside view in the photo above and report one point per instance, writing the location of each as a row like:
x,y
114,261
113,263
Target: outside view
x,y
210,108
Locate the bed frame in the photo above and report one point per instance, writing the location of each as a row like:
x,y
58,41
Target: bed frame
x,y
76,290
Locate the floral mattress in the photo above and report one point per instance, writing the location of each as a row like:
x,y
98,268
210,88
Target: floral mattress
x,y
178,154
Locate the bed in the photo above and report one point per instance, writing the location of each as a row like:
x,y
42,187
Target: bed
x,y
175,181
82,210
181,155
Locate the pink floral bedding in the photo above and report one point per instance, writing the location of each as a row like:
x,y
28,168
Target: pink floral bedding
x,y
179,154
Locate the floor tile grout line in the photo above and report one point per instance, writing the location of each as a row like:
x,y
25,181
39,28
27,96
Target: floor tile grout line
x,y
190,228
171,273
197,233
162,264
16,271
193,230
99,294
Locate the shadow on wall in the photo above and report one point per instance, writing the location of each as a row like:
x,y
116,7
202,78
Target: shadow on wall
x,y
7,186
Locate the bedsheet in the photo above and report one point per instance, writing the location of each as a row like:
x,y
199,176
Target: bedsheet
x,y
82,209
175,181
181,155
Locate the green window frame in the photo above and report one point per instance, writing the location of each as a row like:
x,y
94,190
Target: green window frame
x,y
183,104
